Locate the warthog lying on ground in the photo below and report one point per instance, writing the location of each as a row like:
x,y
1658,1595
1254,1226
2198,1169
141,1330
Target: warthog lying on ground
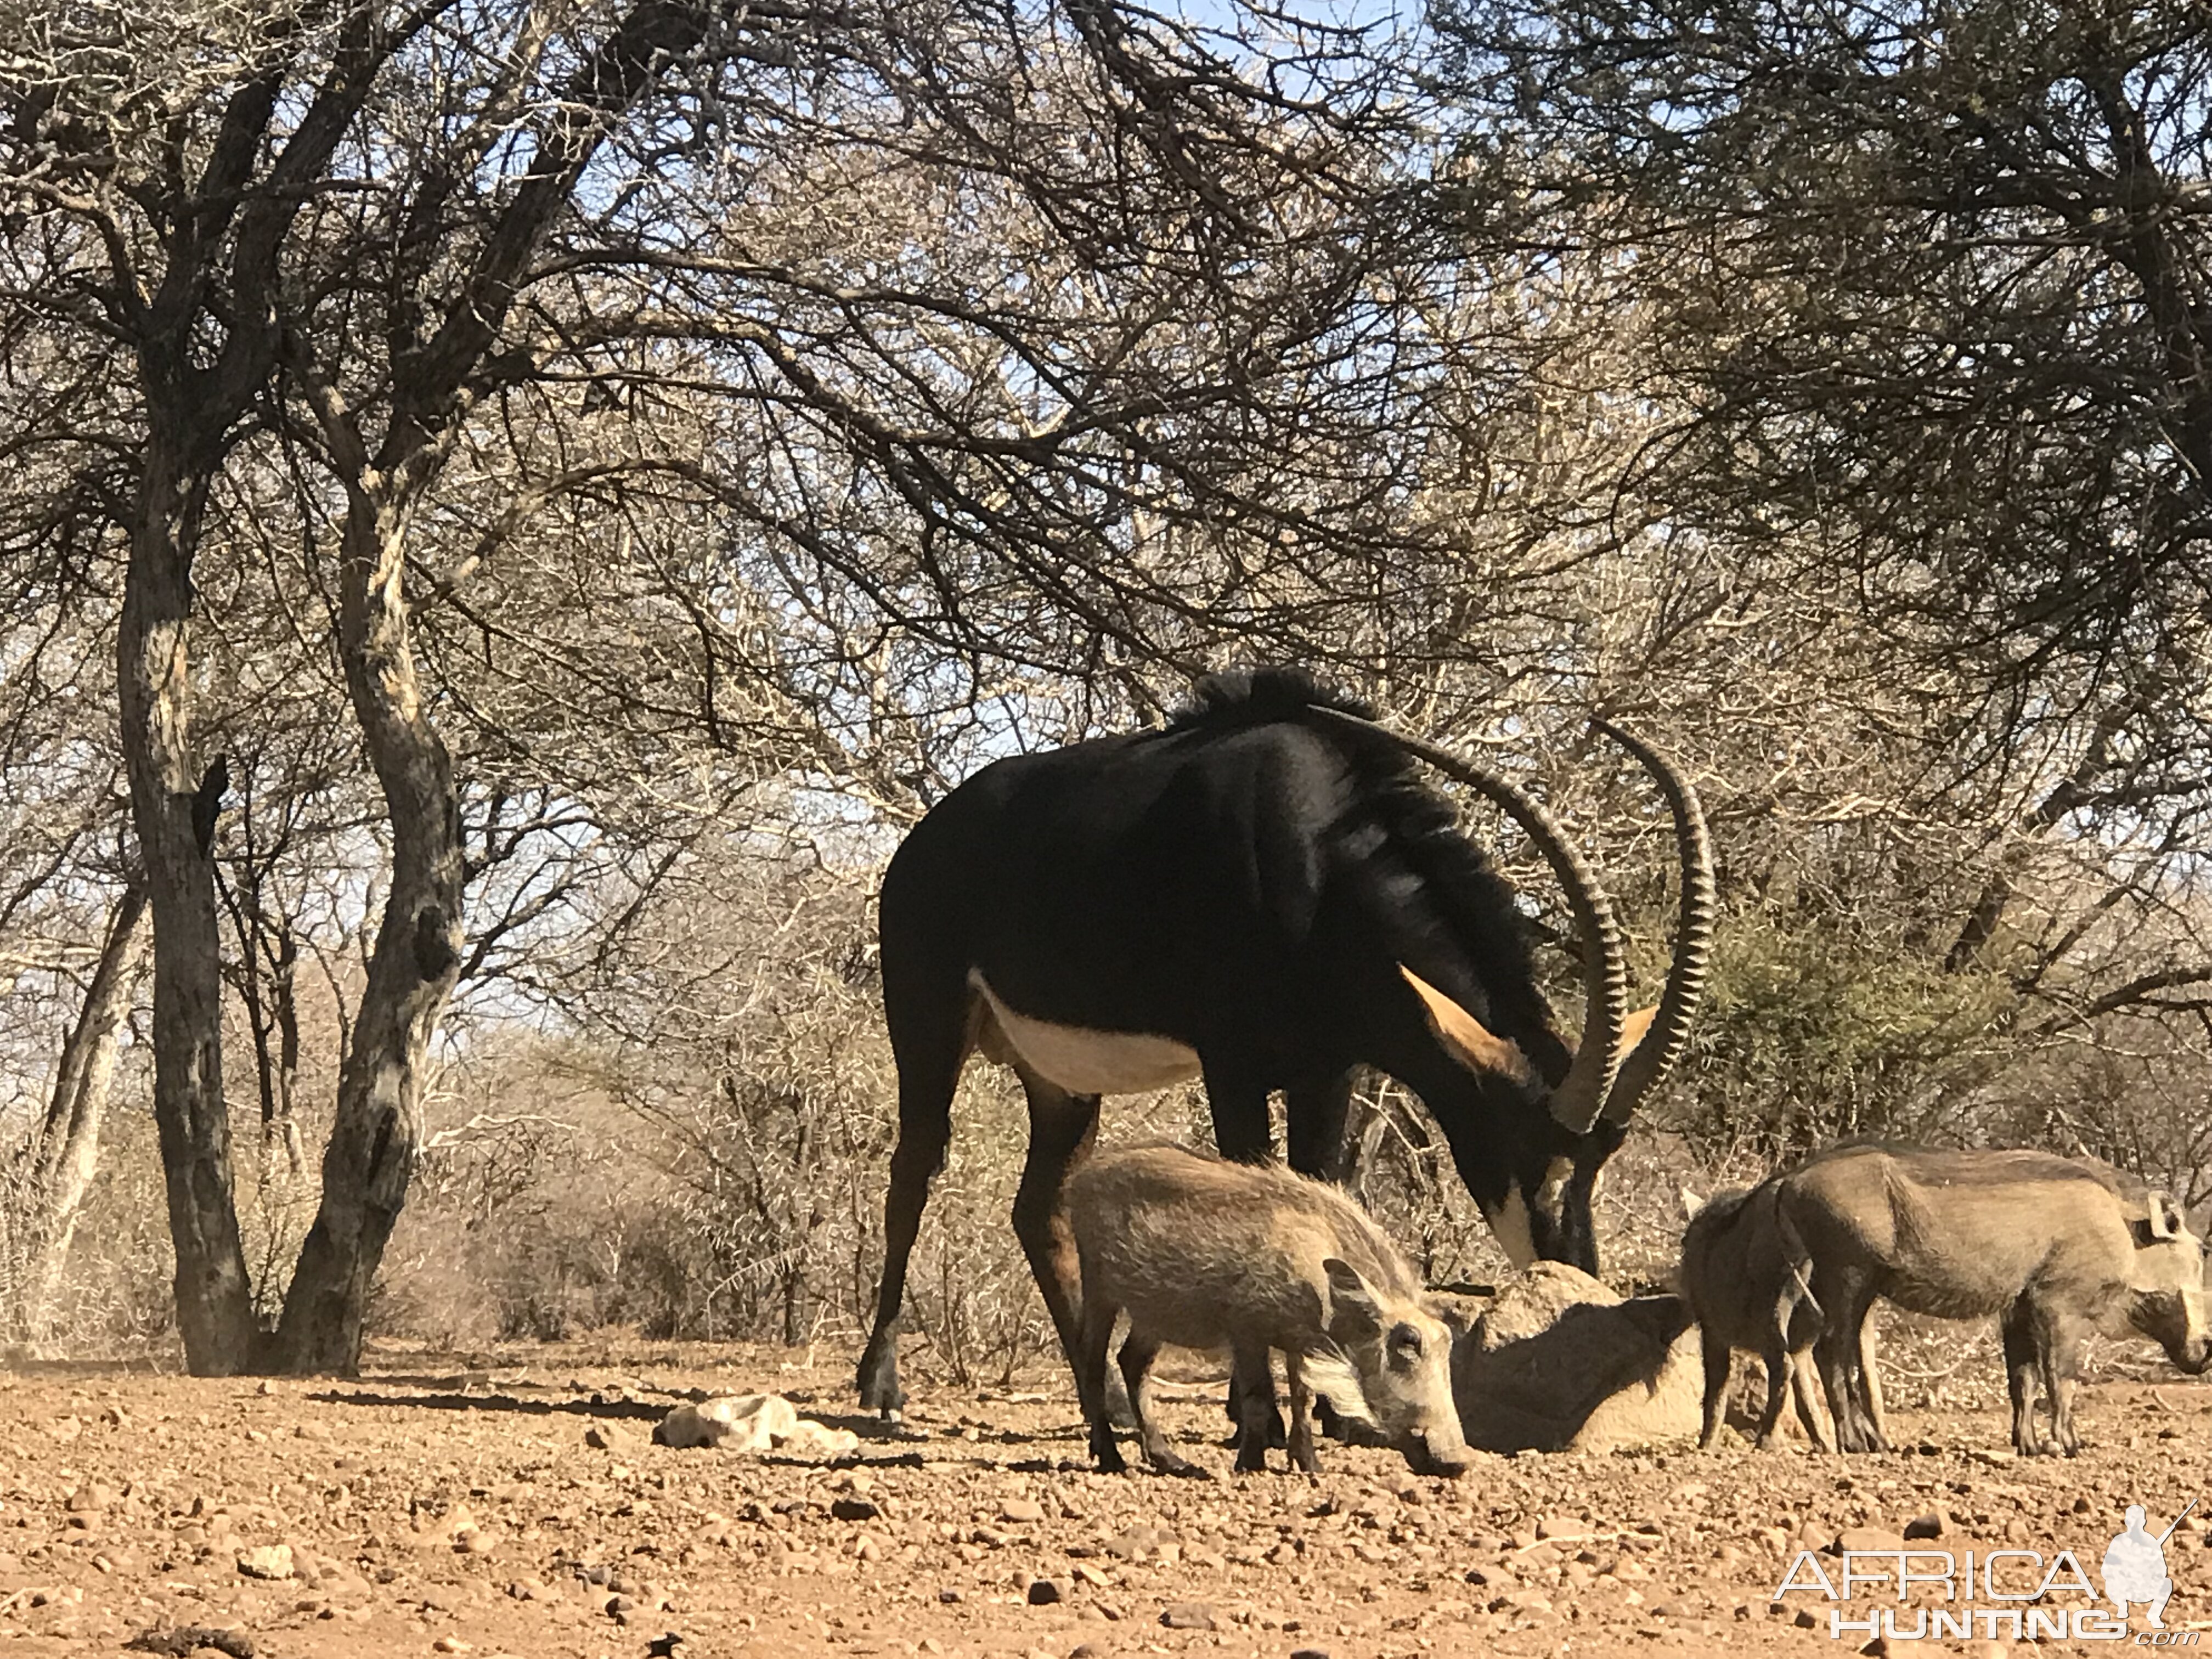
x,y
1748,1286
2052,1246
1204,1254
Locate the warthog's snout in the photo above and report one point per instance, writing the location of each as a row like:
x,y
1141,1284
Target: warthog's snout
x,y
1450,1463
2189,1345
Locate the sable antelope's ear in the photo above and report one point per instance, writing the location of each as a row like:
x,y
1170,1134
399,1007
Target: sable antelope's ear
x,y
1472,1042
1634,1027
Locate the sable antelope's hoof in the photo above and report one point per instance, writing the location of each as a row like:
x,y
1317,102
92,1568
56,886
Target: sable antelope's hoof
x,y
1182,1468
877,1394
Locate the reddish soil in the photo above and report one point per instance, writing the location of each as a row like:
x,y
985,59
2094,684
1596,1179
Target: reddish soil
x,y
128,1501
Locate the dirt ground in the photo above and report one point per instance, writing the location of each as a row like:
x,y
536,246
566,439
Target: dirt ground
x,y
520,1508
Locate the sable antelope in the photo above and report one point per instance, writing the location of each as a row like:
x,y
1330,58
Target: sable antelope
x,y
1263,893
2054,1246
1205,1254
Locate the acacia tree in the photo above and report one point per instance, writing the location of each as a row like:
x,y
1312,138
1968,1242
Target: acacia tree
x,y
340,241
1921,292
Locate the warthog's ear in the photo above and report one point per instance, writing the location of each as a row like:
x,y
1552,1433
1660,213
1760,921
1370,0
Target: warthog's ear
x,y
1325,1371
1350,1302
1453,1313
1692,1204
1469,1042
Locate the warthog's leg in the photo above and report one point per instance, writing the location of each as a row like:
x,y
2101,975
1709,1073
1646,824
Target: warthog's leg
x,y
1870,1378
1242,1135
1061,1128
1137,1351
1315,1115
1843,1363
1781,1378
1255,1381
2058,1347
1301,1427
1098,1316
1819,1429
1719,1358
2021,1368
931,1046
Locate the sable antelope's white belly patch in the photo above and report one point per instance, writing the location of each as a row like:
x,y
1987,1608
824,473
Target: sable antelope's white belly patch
x,y
1081,1061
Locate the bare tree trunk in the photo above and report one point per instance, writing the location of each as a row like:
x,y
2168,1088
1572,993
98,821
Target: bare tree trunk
x,y
68,1151
288,1050
215,1308
371,1156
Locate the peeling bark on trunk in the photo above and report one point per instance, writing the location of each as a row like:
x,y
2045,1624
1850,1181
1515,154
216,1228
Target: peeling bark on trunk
x,y
371,1156
68,1153
214,1310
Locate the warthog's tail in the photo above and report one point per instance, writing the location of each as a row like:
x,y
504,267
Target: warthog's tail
x,y
1797,1292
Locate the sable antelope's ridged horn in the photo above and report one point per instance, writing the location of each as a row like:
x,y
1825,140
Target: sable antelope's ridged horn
x,y
1654,1056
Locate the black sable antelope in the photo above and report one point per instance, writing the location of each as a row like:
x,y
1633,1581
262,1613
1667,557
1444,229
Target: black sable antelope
x,y
1264,893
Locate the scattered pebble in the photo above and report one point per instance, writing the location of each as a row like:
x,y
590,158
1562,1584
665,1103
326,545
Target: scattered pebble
x,y
1867,1539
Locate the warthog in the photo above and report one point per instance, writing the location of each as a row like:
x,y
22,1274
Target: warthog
x,y
1204,1254
1748,1286
2052,1246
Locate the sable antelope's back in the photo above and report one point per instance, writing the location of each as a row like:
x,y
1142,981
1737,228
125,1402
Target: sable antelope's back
x,y
1235,865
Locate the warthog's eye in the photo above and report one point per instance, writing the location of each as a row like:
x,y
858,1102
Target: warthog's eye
x,y
1405,1343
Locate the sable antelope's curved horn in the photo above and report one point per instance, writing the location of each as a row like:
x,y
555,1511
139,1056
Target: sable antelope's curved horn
x,y
1652,1058
1581,1093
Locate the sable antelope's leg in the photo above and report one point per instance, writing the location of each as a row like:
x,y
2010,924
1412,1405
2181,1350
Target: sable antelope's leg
x,y
930,1055
1316,1113
1243,1135
1061,1128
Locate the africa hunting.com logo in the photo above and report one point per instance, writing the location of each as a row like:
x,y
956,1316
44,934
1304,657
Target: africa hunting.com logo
x,y
2018,1583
